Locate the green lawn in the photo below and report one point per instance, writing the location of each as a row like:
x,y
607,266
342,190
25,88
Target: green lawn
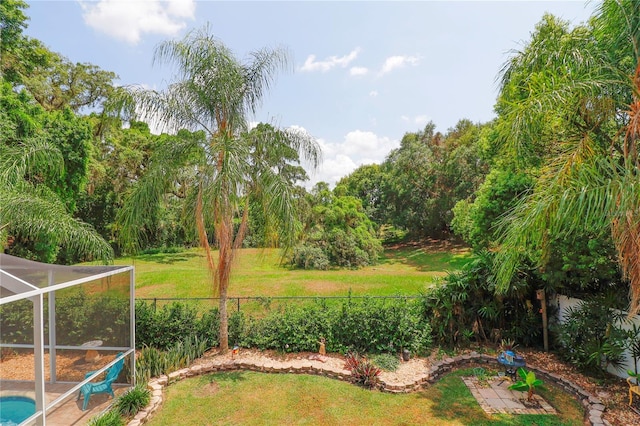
x,y
258,272
249,398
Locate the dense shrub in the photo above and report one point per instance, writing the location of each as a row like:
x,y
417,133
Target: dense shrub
x,y
153,362
109,418
16,322
337,233
174,333
80,317
132,401
161,328
292,329
370,325
465,308
310,257
593,334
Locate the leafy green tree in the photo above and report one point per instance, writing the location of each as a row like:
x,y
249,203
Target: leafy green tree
x,y
337,230
120,157
367,183
20,56
72,135
215,93
64,84
29,208
270,147
571,94
475,222
428,174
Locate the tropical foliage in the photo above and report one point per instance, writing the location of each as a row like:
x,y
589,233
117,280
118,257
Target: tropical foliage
x,y
223,167
528,383
569,108
336,232
546,194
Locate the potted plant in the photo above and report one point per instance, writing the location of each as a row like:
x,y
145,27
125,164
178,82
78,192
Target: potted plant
x,y
508,345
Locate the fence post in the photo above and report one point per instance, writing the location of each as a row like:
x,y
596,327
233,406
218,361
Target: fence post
x,y
238,304
155,305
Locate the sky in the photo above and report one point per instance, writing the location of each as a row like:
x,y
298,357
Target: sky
x,y
361,74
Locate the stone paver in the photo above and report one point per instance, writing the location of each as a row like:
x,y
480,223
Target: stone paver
x,y
494,396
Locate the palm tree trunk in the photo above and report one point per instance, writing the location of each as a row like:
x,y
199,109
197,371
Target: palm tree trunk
x,y
225,235
224,320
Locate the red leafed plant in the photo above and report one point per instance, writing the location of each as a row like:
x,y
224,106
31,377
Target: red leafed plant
x,y
362,370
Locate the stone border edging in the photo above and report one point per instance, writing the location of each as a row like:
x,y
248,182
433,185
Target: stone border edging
x,y
592,405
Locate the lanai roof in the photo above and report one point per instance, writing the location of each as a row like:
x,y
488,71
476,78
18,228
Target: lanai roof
x,y
21,278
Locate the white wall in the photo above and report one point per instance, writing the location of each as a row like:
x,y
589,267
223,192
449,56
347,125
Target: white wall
x,y
564,302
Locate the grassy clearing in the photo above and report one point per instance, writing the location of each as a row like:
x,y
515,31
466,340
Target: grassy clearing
x,y
258,272
256,398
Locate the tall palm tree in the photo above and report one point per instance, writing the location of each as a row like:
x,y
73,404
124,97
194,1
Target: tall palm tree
x,y
577,94
32,210
220,165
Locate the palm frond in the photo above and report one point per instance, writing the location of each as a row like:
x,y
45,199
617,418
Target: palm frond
x,y
29,214
31,157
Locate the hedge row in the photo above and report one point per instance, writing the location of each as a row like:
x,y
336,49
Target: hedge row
x,y
367,325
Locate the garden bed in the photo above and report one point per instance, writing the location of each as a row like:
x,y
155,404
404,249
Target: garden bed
x,y
604,400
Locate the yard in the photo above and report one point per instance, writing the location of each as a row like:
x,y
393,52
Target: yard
x,y
258,398
404,270
246,397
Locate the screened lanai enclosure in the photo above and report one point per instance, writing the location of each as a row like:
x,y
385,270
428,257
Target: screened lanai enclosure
x,y
60,328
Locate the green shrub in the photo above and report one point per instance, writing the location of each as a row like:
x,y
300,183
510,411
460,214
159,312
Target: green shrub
x,y
207,327
370,325
465,308
135,399
77,314
310,257
161,328
110,418
592,336
153,362
292,329
386,362
378,325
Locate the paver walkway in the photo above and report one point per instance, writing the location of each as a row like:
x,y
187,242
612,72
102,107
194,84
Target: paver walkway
x,y
494,396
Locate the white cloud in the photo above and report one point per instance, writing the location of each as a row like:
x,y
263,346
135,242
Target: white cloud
x,y
331,62
356,149
358,71
418,119
373,93
421,119
394,62
129,20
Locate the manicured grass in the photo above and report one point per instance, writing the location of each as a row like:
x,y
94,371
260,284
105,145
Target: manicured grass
x,y
256,398
258,272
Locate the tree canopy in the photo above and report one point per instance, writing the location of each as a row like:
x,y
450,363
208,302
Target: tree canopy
x,y
225,166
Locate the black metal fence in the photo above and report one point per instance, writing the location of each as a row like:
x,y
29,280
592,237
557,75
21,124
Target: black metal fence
x,y
253,304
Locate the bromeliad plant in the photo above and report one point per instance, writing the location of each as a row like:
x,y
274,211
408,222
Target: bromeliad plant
x,y
363,371
527,383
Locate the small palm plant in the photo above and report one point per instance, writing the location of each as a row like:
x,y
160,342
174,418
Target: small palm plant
x,y
528,383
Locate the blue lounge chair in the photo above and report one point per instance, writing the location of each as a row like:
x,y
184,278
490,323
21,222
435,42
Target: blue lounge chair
x,y
104,386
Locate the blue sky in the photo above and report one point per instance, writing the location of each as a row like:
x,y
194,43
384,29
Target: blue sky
x,y
362,73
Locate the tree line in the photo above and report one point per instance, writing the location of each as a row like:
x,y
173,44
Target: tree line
x,y
548,189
